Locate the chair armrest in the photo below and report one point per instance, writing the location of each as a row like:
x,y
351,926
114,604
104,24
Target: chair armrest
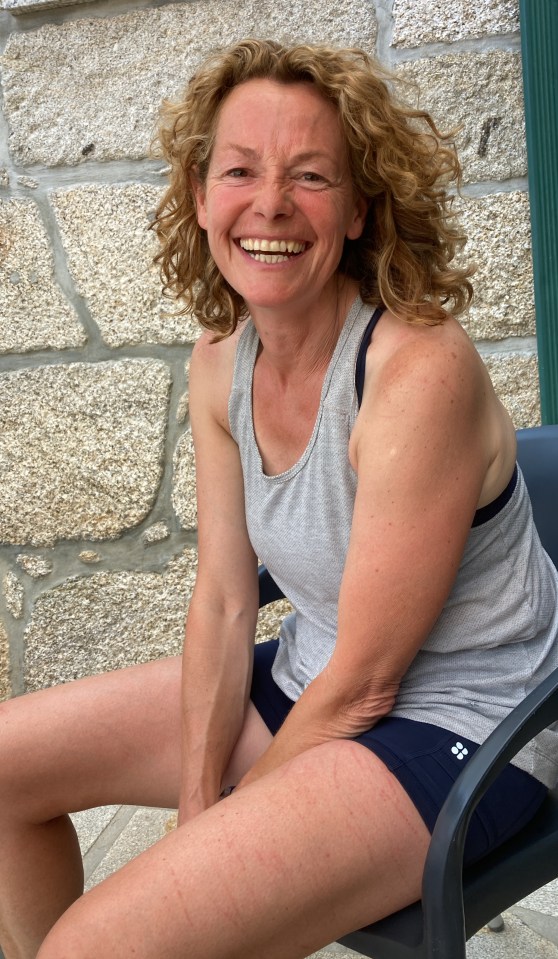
x,y
442,893
269,590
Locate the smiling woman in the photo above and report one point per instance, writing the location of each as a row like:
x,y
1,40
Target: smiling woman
x,y
347,433
278,190
397,162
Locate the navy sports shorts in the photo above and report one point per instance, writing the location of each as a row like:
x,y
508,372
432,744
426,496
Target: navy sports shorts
x,y
426,760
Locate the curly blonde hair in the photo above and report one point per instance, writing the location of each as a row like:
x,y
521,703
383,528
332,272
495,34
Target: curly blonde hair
x,y
399,162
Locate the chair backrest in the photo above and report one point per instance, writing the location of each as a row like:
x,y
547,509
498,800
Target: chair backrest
x,y
537,455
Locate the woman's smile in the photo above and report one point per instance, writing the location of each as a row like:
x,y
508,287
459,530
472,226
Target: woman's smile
x,y
272,251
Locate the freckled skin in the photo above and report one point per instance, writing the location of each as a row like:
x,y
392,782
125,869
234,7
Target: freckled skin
x,y
318,837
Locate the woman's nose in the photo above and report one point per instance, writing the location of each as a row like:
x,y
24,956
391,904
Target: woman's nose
x,y
273,198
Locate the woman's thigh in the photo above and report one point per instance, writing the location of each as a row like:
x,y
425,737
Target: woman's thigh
x,y
114,738
105,739
325,844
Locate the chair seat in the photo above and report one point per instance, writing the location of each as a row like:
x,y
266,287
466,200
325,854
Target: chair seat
x,y
530,857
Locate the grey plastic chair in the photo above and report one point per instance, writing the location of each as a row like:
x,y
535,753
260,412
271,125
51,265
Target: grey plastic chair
x,y
456,903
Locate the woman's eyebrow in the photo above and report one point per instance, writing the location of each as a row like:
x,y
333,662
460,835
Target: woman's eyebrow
x,y
240,148
311,155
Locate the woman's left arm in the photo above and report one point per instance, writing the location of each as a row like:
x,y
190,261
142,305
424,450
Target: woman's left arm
x,y
421,451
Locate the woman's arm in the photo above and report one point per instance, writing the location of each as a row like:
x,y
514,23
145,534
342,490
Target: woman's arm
x,y
422,451
217,659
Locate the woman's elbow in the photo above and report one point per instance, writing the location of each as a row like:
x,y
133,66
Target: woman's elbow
x,y
364,709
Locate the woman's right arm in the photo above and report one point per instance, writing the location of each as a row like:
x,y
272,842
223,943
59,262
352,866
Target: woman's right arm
x,y
217,659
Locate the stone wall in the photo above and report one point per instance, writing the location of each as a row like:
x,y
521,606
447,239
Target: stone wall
x,y
97,511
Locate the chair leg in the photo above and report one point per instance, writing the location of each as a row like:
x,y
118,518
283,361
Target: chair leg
x,y
496,924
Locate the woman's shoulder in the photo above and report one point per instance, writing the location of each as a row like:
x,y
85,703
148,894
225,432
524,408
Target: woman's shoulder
x,y
211,373
212,353
403,351
215,358
434,379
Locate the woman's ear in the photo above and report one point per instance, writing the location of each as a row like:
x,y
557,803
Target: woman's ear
x,y
360,212
198,189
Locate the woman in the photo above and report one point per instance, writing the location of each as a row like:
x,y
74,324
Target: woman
x,y
389,509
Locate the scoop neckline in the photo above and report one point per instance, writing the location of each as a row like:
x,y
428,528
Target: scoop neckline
x,y
285,475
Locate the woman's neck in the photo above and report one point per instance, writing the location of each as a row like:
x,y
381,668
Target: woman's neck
x,y
301,344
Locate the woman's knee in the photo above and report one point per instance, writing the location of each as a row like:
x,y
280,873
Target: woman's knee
x,y
14,757
27,772
69,940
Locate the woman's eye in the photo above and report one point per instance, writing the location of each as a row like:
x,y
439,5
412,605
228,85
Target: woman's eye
x,y
237,172
312,180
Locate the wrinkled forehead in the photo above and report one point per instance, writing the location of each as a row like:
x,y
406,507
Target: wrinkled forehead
x,y
262,114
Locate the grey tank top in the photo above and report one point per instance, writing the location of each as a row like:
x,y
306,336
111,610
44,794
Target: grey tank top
x,y
497,636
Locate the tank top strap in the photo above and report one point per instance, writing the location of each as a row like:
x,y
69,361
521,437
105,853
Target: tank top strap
x,y
483,514
361,355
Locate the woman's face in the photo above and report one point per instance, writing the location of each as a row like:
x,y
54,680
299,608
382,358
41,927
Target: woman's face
x,y
278,200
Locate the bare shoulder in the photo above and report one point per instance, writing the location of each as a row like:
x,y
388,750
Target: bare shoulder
x,y
433,364
211,374
215,357
430,382
401,342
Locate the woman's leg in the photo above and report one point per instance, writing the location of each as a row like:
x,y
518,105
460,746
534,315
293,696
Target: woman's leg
x,y
325,844
107,739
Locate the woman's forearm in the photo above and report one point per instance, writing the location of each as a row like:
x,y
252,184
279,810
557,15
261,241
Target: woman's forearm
x,y
328,709
216,673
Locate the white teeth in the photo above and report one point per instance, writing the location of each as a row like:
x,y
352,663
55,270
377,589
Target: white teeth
x,y
271,246
269,257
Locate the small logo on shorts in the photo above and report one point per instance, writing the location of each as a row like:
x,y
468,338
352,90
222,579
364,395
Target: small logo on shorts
x,y
459,750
